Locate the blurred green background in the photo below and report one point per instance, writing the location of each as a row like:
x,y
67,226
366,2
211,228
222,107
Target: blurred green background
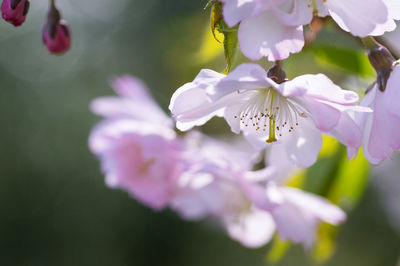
x,y
54,206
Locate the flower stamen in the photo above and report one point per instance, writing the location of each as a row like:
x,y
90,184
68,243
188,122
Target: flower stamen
x,y
266,108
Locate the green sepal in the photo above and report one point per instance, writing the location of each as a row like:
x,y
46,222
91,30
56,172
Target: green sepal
x,y
230,41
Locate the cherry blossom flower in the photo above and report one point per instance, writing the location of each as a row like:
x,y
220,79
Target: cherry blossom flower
x,y
294,113
194,175
250,205
381,129
274,28
138,150
210,188
296,214
243,221
198,176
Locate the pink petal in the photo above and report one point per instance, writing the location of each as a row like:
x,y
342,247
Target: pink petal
x,y
392,92
318,86
321,8
266,36
304,144
113,107
295,225
385,130
245,77
348,133
253,229
265,198
324,116
190,104
236,10
370,13
315,205
295,13
297,218
136,102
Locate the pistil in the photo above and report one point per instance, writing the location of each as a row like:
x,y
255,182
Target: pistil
x,y
271,135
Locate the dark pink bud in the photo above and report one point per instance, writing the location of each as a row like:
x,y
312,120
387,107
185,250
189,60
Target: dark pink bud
x,y
56,33
383,62
14,11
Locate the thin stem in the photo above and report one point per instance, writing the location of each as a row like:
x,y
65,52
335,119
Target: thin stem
x,y
370,42
279,63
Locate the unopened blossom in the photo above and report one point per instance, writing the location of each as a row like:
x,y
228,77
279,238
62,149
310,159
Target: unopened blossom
x,y
56,33
381,129
139,152
294,113
14,11
274,29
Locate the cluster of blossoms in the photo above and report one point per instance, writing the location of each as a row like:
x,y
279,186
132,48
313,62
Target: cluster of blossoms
x,y
274,28
282,120
272,110
198,176
56,34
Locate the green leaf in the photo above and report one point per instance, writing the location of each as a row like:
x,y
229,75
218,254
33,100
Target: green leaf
x,y
230,41
351,182
346,189
323,173
277,251
215,18
325,245
230,47
350,60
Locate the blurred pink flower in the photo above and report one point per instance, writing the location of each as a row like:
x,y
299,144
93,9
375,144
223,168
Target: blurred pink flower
x,y
139,152
252,205
133,102
15,11
211,188
294,113
274,28
295,213
381,129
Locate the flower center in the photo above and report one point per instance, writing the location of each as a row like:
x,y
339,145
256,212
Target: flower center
x,y
266,109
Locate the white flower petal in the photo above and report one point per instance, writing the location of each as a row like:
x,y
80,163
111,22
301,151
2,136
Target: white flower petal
x,y
363,22
266,36
304,144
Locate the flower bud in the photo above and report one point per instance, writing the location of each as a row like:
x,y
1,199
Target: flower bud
x,y
382,60
14,11
277,74
56,33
